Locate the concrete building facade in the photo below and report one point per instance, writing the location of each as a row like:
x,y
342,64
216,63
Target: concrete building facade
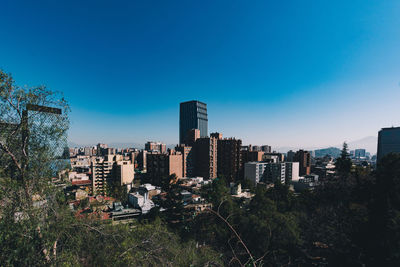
x,y
292,172
124,172
265,172
275,172
254,171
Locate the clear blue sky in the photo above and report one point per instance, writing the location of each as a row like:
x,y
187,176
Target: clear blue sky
x,y
285,73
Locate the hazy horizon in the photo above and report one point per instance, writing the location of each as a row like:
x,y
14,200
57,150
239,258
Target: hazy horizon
x,y
369,143
304,75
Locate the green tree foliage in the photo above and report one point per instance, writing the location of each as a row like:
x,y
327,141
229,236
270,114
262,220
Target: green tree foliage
x,y
36,227
217,191
118,191
343,163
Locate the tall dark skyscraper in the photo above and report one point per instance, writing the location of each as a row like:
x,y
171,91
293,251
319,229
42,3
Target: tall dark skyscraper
x,y
193,115
388,141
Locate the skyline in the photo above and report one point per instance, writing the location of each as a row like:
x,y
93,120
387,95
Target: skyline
x,y
270,74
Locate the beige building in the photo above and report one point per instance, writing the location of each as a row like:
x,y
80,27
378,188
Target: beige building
x,y
101,169
108,169
124,172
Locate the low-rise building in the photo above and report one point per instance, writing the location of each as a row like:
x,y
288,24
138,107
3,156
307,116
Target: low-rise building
x,y
140,202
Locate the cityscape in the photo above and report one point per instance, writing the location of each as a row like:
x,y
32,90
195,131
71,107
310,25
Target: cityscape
x,y
201,157
213,133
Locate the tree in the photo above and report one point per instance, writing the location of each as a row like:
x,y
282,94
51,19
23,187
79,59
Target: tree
x,y
118,191
343,163
34,122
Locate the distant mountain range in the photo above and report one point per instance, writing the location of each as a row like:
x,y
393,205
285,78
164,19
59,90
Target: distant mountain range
x,y
369,143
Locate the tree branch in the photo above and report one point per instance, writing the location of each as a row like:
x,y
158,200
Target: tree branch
x,y
236,234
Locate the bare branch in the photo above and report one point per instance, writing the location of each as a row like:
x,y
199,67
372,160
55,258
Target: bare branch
x,y
13,157
236,234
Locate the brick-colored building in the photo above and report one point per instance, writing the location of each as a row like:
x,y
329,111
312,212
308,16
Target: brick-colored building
x,y
205,157
187,160
160,166
304,159
229,159
192,136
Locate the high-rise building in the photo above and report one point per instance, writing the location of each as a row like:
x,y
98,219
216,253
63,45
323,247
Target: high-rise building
x,y
205,157
229,158
304,159
388,141
193,115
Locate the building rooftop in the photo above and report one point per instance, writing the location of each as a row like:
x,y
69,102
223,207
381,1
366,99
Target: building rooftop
x,y
191,101
391,128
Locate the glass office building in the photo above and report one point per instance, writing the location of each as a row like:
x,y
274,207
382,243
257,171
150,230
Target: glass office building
x,y
388,141
193,115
